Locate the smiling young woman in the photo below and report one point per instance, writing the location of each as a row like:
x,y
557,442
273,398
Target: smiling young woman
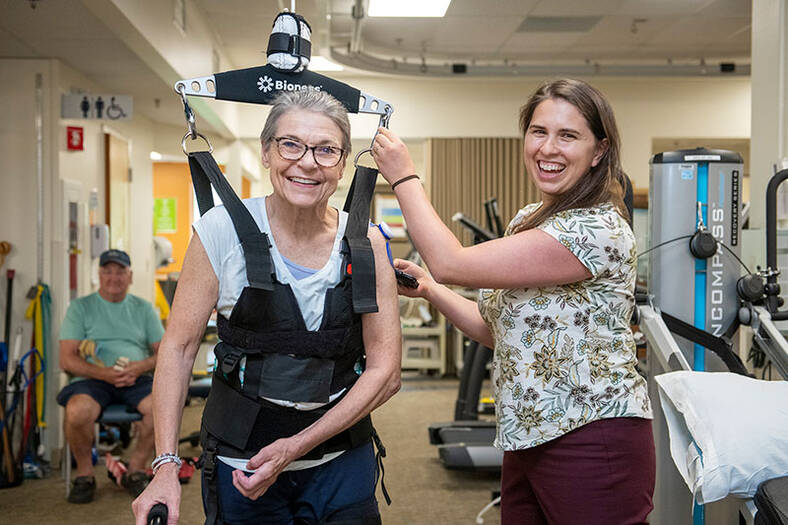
x,y
555,301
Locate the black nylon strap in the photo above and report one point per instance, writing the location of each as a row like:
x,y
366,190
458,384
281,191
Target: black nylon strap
x,y
326,343
202,189
719,345
290,44
259,268
208,467
380,471
361,255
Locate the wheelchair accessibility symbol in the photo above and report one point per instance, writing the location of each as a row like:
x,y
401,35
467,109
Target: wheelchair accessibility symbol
x,y
114,111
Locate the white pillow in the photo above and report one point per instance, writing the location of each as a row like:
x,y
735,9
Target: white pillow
x,y
727,432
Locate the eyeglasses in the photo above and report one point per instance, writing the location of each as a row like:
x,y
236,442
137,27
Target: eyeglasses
x,y
324,155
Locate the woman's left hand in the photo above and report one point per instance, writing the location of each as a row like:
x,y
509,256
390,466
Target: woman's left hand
x,y
392,156
269,463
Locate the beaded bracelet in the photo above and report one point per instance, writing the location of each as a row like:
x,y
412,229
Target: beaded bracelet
x,y
403,179
167,457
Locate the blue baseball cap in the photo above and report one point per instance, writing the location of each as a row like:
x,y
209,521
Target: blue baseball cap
x,y
116,256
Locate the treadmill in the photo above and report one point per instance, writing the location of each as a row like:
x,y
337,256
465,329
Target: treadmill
x,y
467,442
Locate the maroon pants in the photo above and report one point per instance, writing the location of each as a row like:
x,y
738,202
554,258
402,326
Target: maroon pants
x,y
601,473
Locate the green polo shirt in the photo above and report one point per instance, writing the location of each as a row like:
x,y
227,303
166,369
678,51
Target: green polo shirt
x,y
124,329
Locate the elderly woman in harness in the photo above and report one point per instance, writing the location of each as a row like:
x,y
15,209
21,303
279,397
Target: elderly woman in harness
x,y
286,432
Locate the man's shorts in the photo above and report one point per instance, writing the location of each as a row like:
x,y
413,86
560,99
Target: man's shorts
x,y
107,394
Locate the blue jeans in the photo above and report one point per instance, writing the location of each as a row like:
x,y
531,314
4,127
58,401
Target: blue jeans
x,y
341,491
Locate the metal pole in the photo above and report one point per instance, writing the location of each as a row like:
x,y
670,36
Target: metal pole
x,y
40,176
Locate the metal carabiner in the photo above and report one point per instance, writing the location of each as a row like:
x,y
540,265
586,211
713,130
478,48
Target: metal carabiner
x,y
385,118
187,110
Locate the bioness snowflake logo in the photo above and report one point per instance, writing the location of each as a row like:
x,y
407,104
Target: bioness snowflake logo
x,y
267,84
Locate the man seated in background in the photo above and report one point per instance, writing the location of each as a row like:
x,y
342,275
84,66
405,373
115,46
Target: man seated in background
x,y
108,344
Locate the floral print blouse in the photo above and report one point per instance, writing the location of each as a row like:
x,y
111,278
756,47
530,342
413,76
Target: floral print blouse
x,y
565,355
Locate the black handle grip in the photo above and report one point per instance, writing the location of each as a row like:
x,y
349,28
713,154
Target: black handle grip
x,y
406,279
158,514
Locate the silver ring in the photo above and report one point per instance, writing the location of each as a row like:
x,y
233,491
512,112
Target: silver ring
x,y
360,153
200,135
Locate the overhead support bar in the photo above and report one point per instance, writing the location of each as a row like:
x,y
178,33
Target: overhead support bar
x,y
260,85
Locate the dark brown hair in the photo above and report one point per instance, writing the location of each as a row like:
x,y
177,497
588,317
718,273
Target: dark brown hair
x,y
604,182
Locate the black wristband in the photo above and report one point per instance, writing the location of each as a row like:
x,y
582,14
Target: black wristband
x,y
403,179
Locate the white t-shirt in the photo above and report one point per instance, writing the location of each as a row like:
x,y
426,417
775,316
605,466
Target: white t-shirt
x,y
224,250
221,243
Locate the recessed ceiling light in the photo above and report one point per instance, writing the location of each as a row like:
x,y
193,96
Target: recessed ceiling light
x,y
155,155
320,63
408,8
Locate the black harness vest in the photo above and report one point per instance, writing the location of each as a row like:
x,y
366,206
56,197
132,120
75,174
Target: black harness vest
x,y
284,360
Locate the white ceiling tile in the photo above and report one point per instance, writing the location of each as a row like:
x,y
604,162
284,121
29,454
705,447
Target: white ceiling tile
x,y
693,32
401,34
490,33
490,7
671,8
728,8
576,7
617,32
524,43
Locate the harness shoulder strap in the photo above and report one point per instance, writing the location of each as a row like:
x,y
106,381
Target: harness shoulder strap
x,y
361,255
205,172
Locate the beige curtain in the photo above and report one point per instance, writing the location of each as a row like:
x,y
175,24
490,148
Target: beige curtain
x,y
464,172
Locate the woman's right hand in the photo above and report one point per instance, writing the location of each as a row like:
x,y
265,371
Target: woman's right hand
x,y
164,488
425,280
392,156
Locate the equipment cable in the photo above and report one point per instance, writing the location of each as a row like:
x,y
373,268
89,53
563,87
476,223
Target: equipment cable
x,y
660,245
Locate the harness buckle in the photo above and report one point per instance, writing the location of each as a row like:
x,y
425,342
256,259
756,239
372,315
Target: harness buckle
x,y
230,360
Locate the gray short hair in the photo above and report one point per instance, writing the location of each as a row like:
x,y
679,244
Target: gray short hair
x,y
310,100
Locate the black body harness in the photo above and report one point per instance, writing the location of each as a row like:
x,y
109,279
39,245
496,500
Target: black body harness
x,y
283,360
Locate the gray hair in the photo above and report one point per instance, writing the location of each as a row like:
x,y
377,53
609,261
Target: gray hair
x,y
309,100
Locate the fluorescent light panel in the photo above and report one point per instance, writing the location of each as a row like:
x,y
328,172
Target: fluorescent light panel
x,y
320,63
408,8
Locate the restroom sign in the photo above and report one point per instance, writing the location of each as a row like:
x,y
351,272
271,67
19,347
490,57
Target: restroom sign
x,y
97,107
74,138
